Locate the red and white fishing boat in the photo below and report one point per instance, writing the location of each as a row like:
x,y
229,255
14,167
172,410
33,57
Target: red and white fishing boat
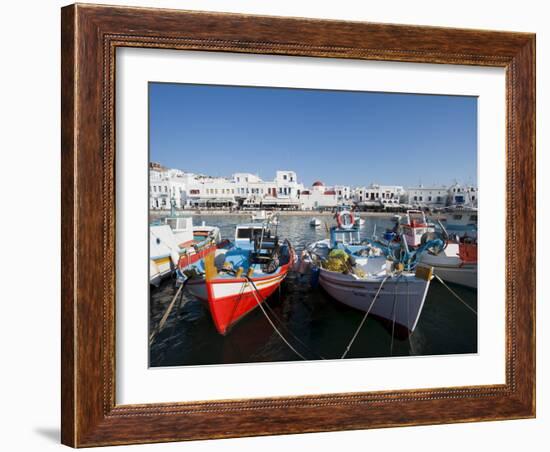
x,y
238,278
412,227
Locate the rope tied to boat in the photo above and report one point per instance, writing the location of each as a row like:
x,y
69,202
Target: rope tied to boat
x,y
455,294
346,351
260,304
166,314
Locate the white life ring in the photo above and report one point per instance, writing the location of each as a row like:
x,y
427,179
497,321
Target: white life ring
x,y
345,219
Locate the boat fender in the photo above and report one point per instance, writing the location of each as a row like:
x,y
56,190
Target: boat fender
x,y
314,278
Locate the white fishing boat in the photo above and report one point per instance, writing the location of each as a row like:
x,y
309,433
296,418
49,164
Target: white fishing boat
x,y
457,218
315,222
412,226
259,215
176,243
457,263
365,275
272,218
359,222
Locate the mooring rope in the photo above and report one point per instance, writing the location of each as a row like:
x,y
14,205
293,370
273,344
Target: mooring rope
x,y
273,313
259,303
364,318
317,355
456,295
164,318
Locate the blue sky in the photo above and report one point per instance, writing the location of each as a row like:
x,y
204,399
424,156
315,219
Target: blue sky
x,y
339,137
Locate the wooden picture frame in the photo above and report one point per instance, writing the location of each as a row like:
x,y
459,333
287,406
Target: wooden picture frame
x,y
90,35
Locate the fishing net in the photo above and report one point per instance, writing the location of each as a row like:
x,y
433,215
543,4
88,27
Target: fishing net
x,y
337,261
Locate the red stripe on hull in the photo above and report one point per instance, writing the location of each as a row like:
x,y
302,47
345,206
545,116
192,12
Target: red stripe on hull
x,y
189,259
227,311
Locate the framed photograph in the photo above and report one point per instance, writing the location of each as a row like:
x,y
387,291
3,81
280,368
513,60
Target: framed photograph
x,y
281,225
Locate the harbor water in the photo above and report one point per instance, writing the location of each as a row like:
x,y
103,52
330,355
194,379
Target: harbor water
x,y
316,324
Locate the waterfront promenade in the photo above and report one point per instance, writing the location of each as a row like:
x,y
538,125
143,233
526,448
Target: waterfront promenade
x,y
248,213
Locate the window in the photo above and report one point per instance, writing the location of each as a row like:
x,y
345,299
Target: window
x,y
284,176
429,198
420,198
244,233
415,198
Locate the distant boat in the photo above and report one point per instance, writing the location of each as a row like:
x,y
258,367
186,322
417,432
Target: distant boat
x,y
413,227
272,218
315,222
457,261
457,218
239,277
176,243
367,274
259,215
359,221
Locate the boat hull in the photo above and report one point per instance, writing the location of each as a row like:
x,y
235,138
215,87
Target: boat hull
x,y
231,299
400,299
450,266
464,276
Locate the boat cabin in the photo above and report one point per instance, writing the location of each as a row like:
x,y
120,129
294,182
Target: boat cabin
x,y
414,226
350,236
182,228
245,234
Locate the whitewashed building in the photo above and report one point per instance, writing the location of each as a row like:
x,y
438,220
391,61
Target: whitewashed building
x,y
376,195
318,197
210,192
427,196
462,195
167,186
246,190
442,196
343,193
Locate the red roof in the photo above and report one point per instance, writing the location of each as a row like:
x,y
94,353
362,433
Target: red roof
x,y
330,192
304,192
318,183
